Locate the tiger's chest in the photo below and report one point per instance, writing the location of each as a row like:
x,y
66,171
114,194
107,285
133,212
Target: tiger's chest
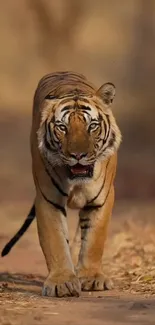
x,y
77,198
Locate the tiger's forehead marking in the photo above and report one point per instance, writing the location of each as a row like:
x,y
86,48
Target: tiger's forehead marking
x,y
63,110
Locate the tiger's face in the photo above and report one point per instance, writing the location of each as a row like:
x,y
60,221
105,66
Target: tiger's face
x,y
79,131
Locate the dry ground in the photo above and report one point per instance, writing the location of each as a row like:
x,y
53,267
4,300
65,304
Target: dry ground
x,y
129,259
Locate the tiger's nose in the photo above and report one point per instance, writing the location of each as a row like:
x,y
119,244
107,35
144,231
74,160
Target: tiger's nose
x,y
78,155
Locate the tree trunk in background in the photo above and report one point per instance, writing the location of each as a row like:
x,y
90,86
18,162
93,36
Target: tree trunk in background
x,y
56,34
141,74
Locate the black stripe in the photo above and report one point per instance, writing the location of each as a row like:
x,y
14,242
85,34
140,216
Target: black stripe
x,y
108,191
85,112
66,108
57,206
94,207
112,139
48,129
98,137
96,196
56,184
84,108
54,144
105,127
20,232
111,142
99,109
50,145
103,143
108,120
85,227
63,117
52,119
84,118
106,135
91,207
47,145
53,169
56,139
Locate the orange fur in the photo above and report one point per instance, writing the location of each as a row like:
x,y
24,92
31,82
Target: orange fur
x,y
73,131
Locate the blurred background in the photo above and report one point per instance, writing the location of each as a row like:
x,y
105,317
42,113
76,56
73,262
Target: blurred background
x,y
106,41
110,40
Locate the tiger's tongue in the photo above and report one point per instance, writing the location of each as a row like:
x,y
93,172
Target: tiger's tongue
x,y
79,169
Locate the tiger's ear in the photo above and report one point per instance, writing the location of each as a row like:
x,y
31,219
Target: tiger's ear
x,y
107,93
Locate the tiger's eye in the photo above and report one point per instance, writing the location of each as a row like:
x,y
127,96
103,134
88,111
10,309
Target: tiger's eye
x,y
93,126
62,127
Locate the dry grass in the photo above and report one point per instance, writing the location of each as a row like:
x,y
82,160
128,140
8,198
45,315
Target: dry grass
x,y
129,259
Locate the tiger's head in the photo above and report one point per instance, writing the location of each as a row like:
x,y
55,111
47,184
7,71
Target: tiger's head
x,y
78,128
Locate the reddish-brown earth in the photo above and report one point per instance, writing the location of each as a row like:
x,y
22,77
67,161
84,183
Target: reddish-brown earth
x,y
129,259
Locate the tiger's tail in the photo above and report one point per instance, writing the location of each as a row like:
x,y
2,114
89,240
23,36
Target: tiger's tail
x,y
20,232
24,227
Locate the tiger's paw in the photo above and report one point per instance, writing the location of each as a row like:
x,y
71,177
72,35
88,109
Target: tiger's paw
x,y
62,286
97,282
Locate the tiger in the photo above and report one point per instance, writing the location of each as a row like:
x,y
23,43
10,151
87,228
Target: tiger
x,y
74,144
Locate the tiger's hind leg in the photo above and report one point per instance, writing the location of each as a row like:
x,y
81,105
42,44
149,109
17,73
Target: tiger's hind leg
x,y
94,223
53,236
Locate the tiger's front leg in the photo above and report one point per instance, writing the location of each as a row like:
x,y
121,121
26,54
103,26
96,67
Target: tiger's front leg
x,y
53,236
94,222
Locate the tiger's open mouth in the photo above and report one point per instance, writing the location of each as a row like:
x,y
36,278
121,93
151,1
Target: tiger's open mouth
x,y
79,170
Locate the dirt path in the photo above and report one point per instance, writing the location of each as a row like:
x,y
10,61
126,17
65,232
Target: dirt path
x,y
129,260
25,306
